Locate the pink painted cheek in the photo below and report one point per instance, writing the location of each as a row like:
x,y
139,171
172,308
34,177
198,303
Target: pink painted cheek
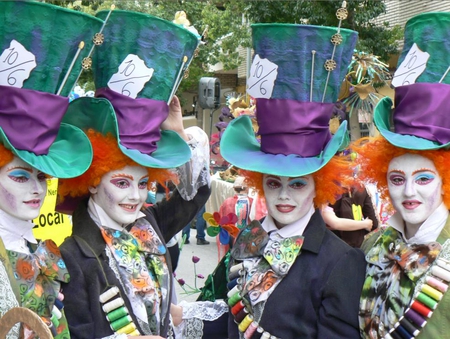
x,y
7,199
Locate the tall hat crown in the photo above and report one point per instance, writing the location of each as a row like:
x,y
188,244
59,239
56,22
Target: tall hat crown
x,y
419,120
295,77
40,58
138,73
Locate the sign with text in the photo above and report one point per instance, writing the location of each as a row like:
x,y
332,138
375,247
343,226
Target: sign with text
x,y
261,81
411,67
51,224
16,64
132,76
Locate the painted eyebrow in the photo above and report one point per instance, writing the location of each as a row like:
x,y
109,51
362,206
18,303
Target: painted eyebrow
x,y
424,170
123,175
289,178
396,170
28,169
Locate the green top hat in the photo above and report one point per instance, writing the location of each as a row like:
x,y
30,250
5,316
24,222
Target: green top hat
x,y
419,120
137,69
38,48
297,72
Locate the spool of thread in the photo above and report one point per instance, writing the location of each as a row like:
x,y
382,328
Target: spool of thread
x,y
117,313
395,335
244,324
60,296
409,326
387,336
265,335
250,330
232,283
56,312
403,332
444,264
236,268
241,315
119,323
426,300
234,299
130,328
441,273
107,295
112,305
59,304
421,309
54,320
233,291
134,333
437,284
237,308
415,317
432,292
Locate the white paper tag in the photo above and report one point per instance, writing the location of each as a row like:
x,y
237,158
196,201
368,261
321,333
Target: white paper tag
x,y
263,74
132,76
16,64
411,67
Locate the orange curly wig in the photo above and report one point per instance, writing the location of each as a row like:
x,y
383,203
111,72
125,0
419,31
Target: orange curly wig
x,y
375,154
107,157
6,156
330,181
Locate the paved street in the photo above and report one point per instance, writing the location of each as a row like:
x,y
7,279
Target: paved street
x,y
208,262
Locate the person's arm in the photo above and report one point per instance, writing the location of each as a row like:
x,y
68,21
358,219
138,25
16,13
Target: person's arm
x,y
343,224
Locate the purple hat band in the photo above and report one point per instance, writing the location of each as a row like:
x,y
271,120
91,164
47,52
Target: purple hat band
x,y
300,127
37,113
139,120
422,110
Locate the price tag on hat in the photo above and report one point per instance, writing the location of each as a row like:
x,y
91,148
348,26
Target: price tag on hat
x,y
411,67
261,81
132,76
16,64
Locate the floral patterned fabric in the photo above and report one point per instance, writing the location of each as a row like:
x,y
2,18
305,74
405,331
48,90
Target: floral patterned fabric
x,y
39,276
267,260
394,267
139,254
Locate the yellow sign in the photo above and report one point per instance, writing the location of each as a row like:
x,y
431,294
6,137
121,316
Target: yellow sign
x,y
51,224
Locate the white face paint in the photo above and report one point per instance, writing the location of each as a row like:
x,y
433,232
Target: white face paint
x,y
122,193
288,199
415,188
22,190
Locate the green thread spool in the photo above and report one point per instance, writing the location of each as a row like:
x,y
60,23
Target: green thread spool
x,y
122,322
55,320
116,314
234,299
426,300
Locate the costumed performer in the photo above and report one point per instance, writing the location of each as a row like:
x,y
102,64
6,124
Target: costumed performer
x,y
35,67
289,276
122,281
408,268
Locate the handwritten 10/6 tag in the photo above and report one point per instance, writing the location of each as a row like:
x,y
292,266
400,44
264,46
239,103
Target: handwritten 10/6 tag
x,y
411,67
16,64
132,76
261,81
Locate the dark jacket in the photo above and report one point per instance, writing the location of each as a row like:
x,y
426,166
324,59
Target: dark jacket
x,y
343,209
319,297
87,262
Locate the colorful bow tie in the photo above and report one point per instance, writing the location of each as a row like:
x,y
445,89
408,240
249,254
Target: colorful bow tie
x,y
253,241
39,275
393,270
140,253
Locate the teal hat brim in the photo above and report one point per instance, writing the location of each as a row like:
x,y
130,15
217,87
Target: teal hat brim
x,y
382,113
69,156
239,147
98,113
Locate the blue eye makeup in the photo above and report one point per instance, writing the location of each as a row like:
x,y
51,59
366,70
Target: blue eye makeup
x,y
298,183
424,178
19,175
143,183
